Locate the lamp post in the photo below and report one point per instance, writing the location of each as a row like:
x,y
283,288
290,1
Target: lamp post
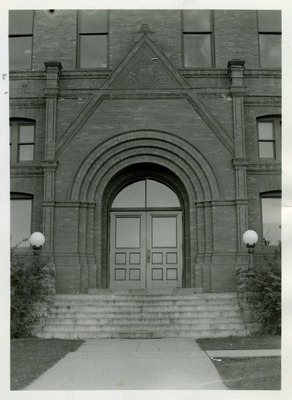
x,y
37,240
250,238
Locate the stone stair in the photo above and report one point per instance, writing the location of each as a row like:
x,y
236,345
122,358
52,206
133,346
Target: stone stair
x,y
131,314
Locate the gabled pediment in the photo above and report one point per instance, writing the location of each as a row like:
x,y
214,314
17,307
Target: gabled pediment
x,y
145,67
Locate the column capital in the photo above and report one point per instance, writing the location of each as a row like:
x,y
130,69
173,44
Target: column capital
x,y
53,69
53,64
236,69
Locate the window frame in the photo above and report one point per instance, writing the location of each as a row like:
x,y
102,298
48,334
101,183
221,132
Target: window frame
x,y
209,33
15,143
266,32
275,194
146,198
22,35
101,33
18,196
277,124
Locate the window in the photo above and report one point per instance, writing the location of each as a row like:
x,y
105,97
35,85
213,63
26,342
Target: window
x,y
197,38
271,218
146,193
20,219
22,134
269,136
93,38
269,25
20,39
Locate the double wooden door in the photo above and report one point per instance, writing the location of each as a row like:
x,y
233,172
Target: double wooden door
x,y
146,250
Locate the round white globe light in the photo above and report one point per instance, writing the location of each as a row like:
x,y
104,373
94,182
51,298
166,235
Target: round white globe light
x,y
37,239
250,237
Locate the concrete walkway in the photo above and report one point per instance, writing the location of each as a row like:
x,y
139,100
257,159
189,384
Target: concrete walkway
x,y
133,364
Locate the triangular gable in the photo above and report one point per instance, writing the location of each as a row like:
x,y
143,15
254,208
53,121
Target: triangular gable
x,y
145,67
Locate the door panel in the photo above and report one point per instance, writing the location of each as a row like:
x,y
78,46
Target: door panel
x,y
146,250
164,241
128,250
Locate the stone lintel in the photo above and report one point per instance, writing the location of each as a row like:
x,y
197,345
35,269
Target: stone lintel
x,y
237,91
48,203
240,163
242,201
49,165
51,92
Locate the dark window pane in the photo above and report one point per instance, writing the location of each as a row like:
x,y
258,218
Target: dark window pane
x,y
266,149
26,133
131,196
26,152
20,222
20,22
159,195
20,52
266,131
197,49
270,50
197,21
269,21
92,21
271,209
93,51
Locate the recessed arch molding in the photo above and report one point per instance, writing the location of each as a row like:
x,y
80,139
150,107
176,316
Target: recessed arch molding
x,y
167,150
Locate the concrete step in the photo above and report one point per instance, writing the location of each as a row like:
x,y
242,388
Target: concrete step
x,y
142,308
141,335
137,321
146,315
112,293
146,302
144,296
146,327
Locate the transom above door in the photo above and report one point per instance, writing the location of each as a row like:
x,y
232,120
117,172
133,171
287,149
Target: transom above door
x,y
146,237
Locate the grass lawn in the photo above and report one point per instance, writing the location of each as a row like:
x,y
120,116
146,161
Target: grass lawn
x,y
32,357
258,373
241,343
29,358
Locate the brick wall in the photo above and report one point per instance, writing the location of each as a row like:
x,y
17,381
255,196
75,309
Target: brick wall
x,y
79,228
55,38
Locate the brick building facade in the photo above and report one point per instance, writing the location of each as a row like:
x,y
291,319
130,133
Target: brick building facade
x,y
178,109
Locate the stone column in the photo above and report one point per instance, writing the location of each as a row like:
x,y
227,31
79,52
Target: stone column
x,y
237,91
240,163
49,164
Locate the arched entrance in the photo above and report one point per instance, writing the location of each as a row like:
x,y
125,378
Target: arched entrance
x,y
125,159
146,237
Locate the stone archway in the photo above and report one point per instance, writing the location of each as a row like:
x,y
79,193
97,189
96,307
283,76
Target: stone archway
x,y
93,185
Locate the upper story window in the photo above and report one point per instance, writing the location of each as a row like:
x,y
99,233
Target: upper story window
x,y
197,38
22,138
20,39
269,137
269,25
20,219
271,218
93,38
